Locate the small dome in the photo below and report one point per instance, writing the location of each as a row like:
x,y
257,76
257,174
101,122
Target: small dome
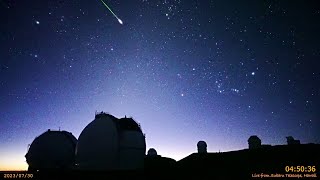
x,y
152,152
254,139
254,142
202,147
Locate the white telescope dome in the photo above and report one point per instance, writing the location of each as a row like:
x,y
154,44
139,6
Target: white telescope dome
x,y
109,143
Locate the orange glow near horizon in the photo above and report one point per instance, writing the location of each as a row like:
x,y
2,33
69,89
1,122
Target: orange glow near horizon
x,y
13,164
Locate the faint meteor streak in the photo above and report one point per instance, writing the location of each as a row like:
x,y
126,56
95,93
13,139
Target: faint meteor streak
x,y
119,20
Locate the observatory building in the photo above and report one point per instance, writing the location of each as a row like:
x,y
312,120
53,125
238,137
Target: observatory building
x,y
292,141
52,150
254,142
153,161
152,152
109,143
202,147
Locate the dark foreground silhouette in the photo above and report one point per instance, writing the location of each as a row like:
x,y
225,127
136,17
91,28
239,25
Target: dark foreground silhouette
x,y
249,163
278,160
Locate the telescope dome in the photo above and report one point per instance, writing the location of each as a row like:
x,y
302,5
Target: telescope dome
x,y
109,143
52,150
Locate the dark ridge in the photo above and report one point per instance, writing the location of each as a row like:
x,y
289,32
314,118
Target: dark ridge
x,y
247,162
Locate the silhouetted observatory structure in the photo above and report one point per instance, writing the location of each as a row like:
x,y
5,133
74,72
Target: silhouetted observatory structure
x,y
292,141
109,143
155,162
52,150
110,147
152,152
254,142
202,147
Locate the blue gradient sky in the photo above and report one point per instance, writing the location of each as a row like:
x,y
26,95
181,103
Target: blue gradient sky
x,y
186,71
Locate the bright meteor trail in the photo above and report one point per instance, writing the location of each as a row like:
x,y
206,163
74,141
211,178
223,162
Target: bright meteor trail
x,y
119,20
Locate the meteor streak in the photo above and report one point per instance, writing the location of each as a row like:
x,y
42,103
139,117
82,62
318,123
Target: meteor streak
x,y
119,20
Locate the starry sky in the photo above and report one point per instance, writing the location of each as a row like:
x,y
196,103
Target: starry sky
x,y
217,71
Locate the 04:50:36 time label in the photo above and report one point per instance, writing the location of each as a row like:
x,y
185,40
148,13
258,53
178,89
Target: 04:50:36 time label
x,y
302,169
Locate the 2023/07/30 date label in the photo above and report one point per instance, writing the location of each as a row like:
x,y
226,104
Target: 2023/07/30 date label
x,y
17,175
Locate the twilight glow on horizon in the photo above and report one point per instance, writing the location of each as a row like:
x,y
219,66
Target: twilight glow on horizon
x,y
218,71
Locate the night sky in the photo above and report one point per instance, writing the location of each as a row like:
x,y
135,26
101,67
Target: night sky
x,y
217,71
